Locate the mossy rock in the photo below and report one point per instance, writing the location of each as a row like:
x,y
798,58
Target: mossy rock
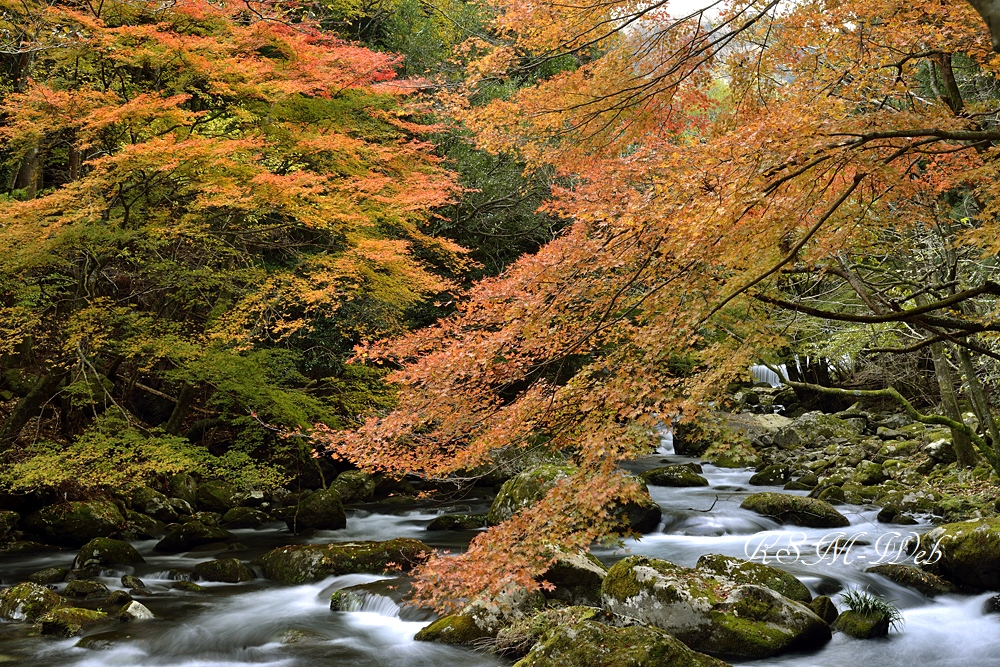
x,y
190,535
138,526
354,486
835,495
50,575
70,621
8,520
322,510
824,607
775,474
104,551
525,489
587,643
747,572
709,612
458,522
134,611
76,523
806,429
970,553
915,578
84,588
228,570
27,602
860,626
216,496
304,563
183,486
869,473
454,629
188,586
132,581
673,475
516,640
117,599
577,578
795,510
244,517
155,504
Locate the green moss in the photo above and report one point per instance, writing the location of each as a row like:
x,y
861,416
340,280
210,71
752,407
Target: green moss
x,y
860,626
454,629
27,602
795,510
304,563
69,621
747,572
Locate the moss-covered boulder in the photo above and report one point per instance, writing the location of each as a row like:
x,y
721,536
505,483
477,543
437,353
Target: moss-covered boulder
x,y
587,643
244,517
747,572
795,510
155,504
183,486
775,474
862,626
27,602
869,473
673,475
70,621
139,526
105,552
322,510
823,607
915,578
188,586
515,640
710,612
484,617
354,486
50,575
76,523
530,486
458,522
970,553
811,426
453,629
304,563
228,570
190,535
216,496
8,520
85,588
577,578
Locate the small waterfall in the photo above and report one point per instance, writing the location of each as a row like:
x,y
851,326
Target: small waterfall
x,y
762,373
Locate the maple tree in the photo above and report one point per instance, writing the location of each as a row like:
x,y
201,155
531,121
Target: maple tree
x,y
709,161
210,204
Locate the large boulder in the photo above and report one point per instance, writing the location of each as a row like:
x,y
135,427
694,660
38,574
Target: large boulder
x,y
304,563
85,588
862,626
709,612
354,486
969,553
104,551
915,578
484,617
229,570
530,486
8,520
153,503
134,611
577,578
217,496
244,517
795,510
69,621
587,643
76,523
773,475
27,602
190,535
183,486
747,572
457,522
811,426
673,475
322,510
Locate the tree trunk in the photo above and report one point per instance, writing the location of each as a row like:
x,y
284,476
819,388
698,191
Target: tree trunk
x,y
964,451
979,402
29,406
176,420
29,173
990,11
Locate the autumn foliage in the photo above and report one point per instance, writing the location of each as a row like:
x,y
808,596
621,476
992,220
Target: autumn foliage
x,y
710,161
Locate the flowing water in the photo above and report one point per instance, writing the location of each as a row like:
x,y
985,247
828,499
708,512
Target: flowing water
x,y
259,623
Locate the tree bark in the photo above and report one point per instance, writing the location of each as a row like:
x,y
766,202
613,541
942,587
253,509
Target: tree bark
x,y
990,11
29,406
964,451
978,397
181,409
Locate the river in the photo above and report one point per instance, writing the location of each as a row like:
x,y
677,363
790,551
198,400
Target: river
x,y
260,623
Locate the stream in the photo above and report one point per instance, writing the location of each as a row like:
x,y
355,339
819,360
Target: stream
x,y
261,623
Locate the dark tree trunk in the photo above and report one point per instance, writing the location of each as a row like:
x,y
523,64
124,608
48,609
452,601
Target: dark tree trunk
x,y
28,407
